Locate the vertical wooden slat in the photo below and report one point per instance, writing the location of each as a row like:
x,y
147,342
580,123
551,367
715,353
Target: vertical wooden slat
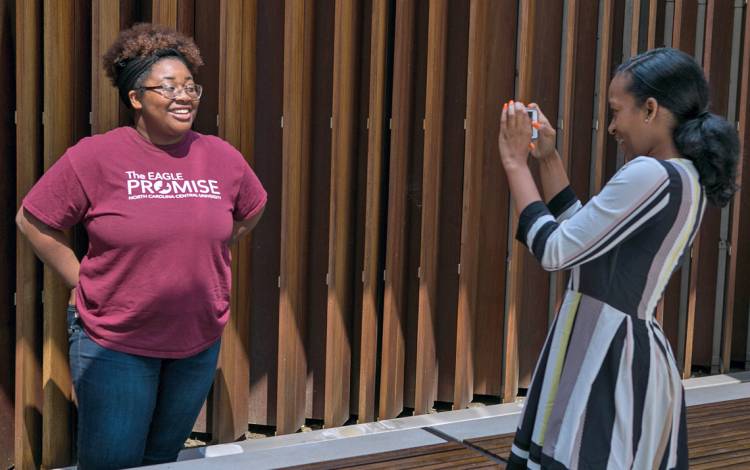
x,y
473,161
319,206
610,54
7,236
685,19
683,38
164,12
343,161
298,23
427,367
492,228
236,120
739,262
105,102
29,399
372,254
394,304
541,25
59,129
635,26
577,110
449,199
716,64
264,325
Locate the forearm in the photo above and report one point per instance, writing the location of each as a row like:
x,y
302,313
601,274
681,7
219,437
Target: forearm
x,y
244,227
553,175
522,186
51,246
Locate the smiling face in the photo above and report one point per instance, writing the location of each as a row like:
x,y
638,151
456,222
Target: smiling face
x,y
162,120
629,123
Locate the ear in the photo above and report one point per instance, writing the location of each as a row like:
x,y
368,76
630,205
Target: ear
x,y
135,100
652,108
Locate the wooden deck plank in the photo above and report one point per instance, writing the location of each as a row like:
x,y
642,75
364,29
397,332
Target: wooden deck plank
x,y
393,358
446,455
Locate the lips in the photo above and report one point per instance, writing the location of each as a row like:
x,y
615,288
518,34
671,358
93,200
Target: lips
x,y
181,114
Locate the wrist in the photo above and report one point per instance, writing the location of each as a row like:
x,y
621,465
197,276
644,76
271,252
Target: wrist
x,y
549,157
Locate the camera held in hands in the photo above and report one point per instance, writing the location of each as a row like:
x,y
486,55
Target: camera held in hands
x,y
534,116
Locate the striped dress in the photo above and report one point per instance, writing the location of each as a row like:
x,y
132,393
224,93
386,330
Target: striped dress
x,y
606,392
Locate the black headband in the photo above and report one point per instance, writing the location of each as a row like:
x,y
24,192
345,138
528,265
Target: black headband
x,y
130,70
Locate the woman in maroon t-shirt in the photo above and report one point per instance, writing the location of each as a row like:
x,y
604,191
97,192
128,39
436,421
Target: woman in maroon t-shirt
x,y
161,204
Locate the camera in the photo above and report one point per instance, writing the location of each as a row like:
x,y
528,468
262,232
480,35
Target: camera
x,y
534,116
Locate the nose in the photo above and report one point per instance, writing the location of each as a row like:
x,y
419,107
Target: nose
x,y
611,127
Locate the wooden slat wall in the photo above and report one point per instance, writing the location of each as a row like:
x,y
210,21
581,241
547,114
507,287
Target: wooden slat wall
x,y
378,280
427,364
372,266
393,360
7,238
739,269
28,377
540,26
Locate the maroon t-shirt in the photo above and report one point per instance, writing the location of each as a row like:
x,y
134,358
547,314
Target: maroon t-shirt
x,y
156,278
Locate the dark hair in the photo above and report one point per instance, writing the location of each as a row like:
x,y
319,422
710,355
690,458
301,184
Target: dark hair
x,y
676,82
129,59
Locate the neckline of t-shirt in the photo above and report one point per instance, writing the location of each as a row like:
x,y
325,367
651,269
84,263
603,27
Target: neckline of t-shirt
x,y
171,150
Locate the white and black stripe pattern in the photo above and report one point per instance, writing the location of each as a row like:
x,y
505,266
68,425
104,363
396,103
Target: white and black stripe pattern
x,y
604,222
606,392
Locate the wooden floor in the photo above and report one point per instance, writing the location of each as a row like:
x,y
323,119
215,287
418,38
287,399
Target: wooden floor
x,y
718,436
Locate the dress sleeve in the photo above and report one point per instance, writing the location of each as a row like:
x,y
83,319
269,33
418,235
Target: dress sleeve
x,y
251,196
564,205
58,199
634,197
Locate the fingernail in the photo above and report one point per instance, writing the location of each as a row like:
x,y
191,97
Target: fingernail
x,y
511,102
532,146
505,106
536,125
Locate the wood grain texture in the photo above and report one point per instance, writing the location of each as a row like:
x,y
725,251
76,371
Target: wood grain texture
x,y
264,326
105,101
236,122
371,266
164,12
292,362
739,263
393,357
7,236
529,285
427,366
716,66
340,241
28,377
64,80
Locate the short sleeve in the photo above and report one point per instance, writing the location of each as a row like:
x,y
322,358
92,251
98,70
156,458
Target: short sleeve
x,y
633,198
251,196
58,199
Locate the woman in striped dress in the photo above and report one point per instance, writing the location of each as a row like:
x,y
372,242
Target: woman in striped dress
x,y
606,392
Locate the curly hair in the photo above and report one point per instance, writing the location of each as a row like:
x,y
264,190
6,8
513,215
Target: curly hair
x,y
143,40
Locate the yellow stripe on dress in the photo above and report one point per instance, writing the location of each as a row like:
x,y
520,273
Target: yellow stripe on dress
x,y
567,329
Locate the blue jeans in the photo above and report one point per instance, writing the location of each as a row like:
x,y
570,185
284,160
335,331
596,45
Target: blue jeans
x,y
134,410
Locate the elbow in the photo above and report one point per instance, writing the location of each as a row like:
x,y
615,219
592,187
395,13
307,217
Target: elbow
x,y
21,221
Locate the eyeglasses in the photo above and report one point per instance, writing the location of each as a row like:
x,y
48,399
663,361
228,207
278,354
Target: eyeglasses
x,y
171,92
